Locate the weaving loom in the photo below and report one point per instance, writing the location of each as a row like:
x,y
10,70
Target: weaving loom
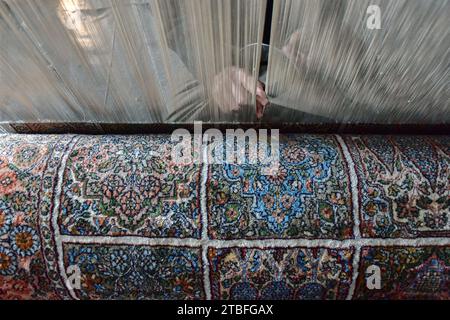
x,y
81,196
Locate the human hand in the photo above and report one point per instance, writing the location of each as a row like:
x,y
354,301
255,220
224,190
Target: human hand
x,y
233,88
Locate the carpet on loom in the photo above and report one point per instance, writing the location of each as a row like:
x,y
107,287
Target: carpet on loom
x,y
139,226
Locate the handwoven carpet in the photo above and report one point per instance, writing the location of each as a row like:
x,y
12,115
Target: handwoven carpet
x,y
138,226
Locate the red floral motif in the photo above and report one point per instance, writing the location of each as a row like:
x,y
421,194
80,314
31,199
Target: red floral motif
x,y
26,155
406,208
294,153
231,214
112,187
287,201
269,201
131,204
277,175
150,186
184,284
8,182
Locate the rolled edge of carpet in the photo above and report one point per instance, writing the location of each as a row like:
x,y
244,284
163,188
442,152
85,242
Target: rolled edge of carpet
x,y
114,217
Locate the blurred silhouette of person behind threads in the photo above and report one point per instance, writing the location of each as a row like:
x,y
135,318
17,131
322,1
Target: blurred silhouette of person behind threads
x,y
367,74
92,24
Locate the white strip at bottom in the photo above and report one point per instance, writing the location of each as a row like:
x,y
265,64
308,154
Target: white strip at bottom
x,y
263,243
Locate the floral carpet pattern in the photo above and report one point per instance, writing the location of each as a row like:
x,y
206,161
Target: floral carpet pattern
x,y
308,197
138,226
115,187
